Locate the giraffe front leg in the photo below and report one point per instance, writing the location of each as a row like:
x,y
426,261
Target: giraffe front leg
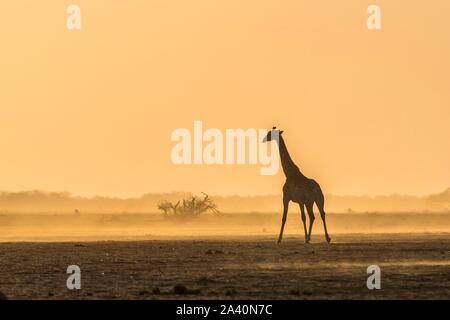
x,y
283,220
302,209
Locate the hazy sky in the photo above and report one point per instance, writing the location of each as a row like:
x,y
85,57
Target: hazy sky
x,y
91,111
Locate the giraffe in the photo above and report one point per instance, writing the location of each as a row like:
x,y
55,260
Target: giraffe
x,y
297,188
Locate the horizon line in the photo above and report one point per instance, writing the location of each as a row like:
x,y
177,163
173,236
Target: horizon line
x,y
74,195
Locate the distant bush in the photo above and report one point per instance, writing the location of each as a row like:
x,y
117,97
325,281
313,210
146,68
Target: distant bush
x,y
188,208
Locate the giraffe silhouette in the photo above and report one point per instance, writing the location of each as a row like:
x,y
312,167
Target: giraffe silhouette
x,y
298,188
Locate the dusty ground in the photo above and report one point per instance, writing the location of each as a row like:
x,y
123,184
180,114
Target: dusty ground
x,y
412,265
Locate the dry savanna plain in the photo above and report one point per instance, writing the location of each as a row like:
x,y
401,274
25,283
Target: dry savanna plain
x,y
230,256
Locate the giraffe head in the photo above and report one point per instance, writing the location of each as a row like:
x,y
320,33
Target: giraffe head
x,y
272,134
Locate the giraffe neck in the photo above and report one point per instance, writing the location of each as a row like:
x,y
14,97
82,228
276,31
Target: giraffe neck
x,y
289,167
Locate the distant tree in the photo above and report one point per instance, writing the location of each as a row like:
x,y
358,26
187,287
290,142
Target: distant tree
x,y
165,207
189,208
175,208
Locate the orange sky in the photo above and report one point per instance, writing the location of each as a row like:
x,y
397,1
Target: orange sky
x,y
91,111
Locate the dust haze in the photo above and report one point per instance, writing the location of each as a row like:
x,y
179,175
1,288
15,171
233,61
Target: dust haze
x,y
95,227
52,216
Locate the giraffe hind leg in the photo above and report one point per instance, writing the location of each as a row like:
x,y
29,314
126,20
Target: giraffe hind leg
x,y
320,205
309,208
302,209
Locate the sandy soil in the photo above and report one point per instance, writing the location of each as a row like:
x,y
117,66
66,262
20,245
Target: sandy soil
x,y
413,266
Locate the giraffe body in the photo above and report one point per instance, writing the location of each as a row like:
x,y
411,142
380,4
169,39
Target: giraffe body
x,y
301,190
